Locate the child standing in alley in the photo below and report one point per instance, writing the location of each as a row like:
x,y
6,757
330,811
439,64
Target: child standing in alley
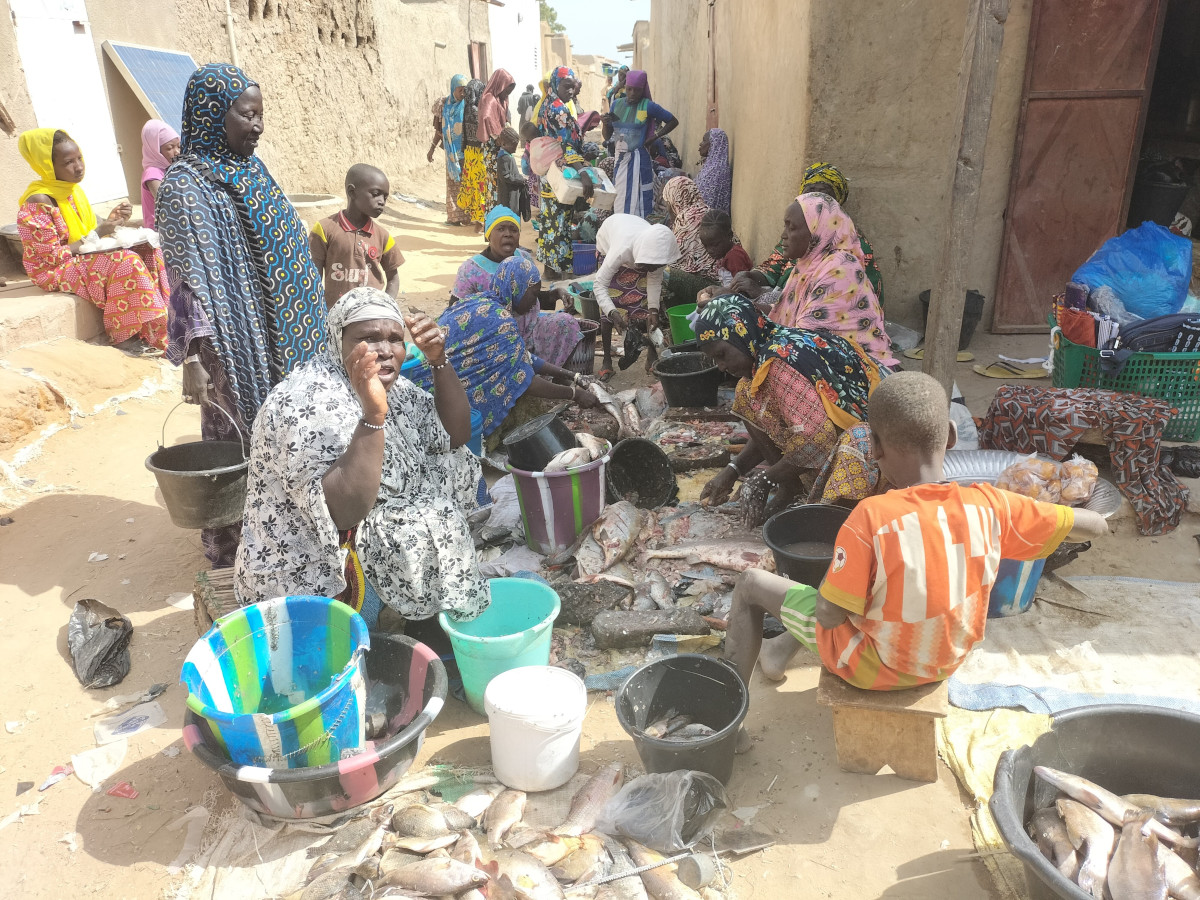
x,y
510,182
350,248
906,596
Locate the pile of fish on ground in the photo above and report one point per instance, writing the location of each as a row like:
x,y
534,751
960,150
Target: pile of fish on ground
x,y
416,845
1135,847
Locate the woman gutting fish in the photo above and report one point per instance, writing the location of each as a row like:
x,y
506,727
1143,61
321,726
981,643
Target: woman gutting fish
x,y
797,392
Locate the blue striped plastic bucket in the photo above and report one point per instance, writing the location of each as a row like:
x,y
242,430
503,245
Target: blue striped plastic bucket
x,y
281,683
1016,583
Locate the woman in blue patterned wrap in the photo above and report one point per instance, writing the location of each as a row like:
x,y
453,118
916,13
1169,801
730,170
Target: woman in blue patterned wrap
x,y
246,299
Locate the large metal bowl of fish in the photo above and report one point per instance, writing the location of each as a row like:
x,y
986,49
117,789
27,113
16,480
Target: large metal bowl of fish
x,y
406,687
1098,768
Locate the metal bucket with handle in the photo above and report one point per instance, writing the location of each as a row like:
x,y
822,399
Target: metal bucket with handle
x,y
203,483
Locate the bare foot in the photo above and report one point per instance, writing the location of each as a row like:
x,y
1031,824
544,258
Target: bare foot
x,y
744,741
776,653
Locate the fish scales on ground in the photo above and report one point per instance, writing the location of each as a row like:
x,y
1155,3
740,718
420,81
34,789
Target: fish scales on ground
x,y
1135,871
505,812
1111,807
1094,839
590,799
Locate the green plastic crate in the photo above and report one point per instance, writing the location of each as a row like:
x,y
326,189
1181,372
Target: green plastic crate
x,y
1174,377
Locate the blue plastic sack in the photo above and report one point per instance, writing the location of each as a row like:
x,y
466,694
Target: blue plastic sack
x,y
1148,268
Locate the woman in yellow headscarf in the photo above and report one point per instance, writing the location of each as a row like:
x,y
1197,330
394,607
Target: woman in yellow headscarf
x,y
130,286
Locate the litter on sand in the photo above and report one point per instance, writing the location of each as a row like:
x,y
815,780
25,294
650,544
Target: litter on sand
x,y
141,718
94,767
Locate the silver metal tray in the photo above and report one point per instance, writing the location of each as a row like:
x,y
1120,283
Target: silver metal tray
x,y
969,466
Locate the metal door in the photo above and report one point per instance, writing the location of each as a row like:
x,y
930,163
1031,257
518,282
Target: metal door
x,y
1087,80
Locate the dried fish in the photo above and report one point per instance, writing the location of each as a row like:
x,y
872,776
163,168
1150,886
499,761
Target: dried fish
x,y
1093,838
421,845
456,819
505,812
1135,872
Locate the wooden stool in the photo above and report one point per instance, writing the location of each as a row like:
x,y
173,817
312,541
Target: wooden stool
x,y
872,729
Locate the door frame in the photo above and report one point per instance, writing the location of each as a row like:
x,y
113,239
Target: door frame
x,y
1160,13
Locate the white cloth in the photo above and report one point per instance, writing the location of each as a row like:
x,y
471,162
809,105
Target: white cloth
x,y
625,241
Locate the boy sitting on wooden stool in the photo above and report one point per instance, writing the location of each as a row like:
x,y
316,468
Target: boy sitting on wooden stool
x,y
906,595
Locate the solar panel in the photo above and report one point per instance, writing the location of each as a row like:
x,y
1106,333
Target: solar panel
x,y
157,77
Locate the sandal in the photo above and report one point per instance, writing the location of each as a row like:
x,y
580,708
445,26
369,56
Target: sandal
x,y
605,374
138,349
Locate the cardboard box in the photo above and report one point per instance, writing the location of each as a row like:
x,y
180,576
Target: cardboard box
x,y
568,190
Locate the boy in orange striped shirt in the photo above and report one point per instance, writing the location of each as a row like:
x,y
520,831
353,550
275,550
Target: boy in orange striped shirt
x,y
906,595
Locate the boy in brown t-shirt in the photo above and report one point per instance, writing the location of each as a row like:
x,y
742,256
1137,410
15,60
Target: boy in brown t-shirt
x,y
352,250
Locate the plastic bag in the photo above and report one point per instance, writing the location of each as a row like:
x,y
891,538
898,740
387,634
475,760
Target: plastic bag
x,y
1078,477
1148,268
1033,477
666,812
98,637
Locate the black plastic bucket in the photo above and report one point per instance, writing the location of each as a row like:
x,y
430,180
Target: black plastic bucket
x,y
641,472
972,313
1126,749
703,687
532,445
1155,201
688,379
814,522
203,483
583,357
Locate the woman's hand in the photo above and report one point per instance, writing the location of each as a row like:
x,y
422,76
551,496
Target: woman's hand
x,y
589,189
756,490
121,213
719,487
362,365
196,383
618,320
784,494
427,335
429,155
745,284
706,295
585,398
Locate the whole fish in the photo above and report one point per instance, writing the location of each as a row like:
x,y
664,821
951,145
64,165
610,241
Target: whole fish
x,y
1107,804
1168,810
610,403
515,875
419,821
466,849
588,862
505,812
346,838
595,446
611,538
476,802
456,819
1093,838
660,591
1182,881
738,556
436,876
692,732
661,882
568,459
421,845
322,865
665,724
1135,872
1050,834
590,799
394,858
551,848
328,886
629,888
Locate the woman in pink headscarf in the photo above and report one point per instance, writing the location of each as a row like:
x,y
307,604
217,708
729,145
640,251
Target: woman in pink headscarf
x,y
493,118
160,146
829,288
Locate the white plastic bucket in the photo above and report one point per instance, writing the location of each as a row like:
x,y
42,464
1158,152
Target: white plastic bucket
x,y
535,716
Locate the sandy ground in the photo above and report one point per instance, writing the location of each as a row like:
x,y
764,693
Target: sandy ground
x,y
839,835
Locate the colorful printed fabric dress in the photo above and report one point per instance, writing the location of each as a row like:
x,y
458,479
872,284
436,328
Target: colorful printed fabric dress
x,y
129,286
554,220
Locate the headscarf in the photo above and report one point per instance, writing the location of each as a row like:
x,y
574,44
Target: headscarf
x,y
496,216
829,288
493,112
557,119
618,89
514,277
546,91
471,111
362,304
233,240
715,178
656,246
155,133
841,372
37,146
452,128
636,78
827,173
682,196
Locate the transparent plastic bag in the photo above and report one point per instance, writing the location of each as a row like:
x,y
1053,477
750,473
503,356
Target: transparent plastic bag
x,y
1078,477
1033,477
667,812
